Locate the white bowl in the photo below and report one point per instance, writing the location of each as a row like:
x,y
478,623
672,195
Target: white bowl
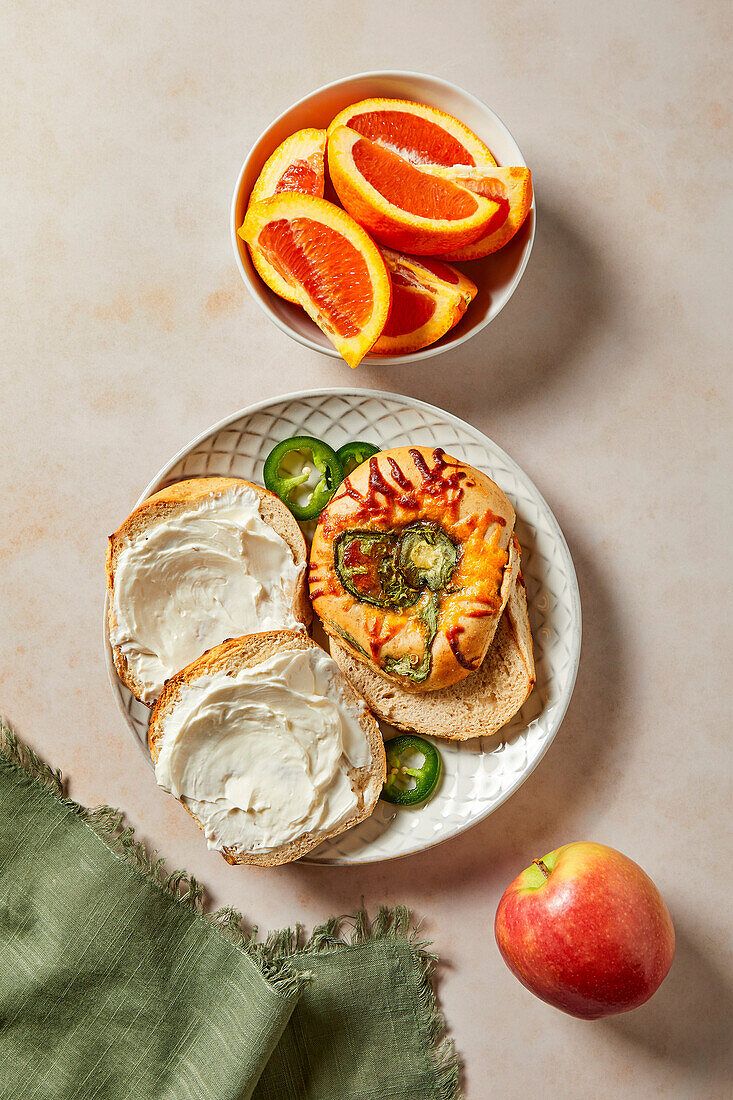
x,y
497,276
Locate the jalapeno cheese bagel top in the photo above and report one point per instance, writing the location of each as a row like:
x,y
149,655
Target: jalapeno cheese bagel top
x,y
412,563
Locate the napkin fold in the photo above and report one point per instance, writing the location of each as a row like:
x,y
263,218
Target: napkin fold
x,y
115,984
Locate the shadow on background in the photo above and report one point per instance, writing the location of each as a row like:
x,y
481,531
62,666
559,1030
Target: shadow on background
x,y
534,344
689,1020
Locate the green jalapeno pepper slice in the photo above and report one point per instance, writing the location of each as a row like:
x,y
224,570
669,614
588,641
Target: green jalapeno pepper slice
x,y
366,565
398,788
427,556
353,454
420,670
286,470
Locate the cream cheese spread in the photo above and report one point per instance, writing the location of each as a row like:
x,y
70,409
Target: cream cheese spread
x,y
261,757
212,572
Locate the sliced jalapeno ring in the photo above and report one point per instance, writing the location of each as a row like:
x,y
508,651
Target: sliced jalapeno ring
x,y
287,470
366,566
398,787
427,556
353,454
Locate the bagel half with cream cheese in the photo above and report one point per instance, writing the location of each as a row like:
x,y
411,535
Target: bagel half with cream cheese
x,y
412,564
476,707
196,563
268,747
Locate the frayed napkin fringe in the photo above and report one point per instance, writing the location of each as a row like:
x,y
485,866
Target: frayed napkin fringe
x,y
273,955
391,925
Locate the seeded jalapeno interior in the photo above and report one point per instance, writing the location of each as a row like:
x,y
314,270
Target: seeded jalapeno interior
x,y
288,471
408,785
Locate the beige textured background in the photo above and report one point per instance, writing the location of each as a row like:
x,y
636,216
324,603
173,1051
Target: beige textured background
x,y
128,331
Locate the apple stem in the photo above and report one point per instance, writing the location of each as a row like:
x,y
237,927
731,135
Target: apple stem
x,y
542,867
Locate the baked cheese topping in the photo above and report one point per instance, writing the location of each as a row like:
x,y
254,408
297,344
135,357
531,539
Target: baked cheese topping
x,y
212,572
408,565
261,756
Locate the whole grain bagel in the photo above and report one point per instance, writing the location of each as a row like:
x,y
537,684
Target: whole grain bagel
x,y
412,564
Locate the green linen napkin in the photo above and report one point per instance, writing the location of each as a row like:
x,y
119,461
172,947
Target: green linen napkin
x,y
114,983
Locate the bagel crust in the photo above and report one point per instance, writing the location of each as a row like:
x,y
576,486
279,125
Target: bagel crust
x,y
411,566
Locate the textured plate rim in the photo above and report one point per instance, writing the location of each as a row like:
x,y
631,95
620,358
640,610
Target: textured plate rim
x,y
574,593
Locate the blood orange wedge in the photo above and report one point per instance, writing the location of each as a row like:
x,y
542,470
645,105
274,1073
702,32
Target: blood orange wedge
x,y
334,269
401,205
420,134
428,299
296,165
511,188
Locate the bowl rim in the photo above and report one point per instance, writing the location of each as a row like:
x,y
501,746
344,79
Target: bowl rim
x,y
255,285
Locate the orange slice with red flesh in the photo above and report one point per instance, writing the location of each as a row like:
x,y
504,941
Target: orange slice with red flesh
x,y
296,165
418,133
332,266
428,299
401,205
511,188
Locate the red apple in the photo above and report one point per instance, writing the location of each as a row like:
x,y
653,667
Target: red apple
x,y
585,929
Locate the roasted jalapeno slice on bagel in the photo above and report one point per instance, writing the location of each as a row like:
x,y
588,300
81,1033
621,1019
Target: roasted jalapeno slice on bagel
x,y
366,564
408,782
291,472
410,665
427,557
353,454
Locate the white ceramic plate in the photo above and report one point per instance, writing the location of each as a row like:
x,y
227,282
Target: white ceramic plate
x,y
478,775
497,276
